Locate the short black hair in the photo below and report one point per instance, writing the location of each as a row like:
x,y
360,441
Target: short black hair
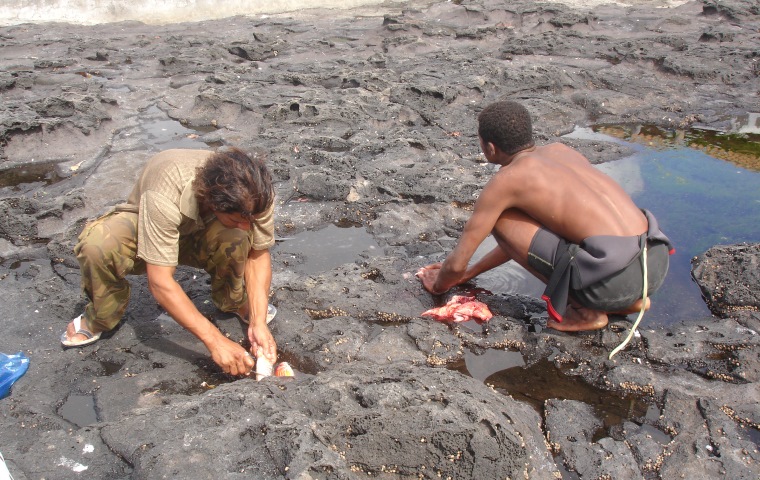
x,y
232,181
507,125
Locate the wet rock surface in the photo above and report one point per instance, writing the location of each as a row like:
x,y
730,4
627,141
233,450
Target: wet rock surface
x,y
728,276
368,118
355,416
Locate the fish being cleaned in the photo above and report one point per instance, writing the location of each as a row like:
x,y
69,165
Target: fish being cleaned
x,y
460,308
264,368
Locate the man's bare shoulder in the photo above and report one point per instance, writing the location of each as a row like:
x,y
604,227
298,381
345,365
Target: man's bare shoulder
x,y
561,153
545,161
509,184
509,173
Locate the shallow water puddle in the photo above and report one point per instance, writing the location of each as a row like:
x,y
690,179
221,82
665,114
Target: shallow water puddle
x,y
543,381
491,361
162,133
29,173
317,251
79,410
750,433
699,199
704,188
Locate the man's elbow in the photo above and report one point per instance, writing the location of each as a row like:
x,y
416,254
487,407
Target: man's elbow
x,y
159,286
155,289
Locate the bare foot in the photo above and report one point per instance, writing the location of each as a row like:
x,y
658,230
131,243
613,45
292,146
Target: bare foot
x,y
578,319
634,308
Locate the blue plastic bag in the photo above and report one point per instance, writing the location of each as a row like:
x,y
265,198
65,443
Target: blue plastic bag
x,y
12,367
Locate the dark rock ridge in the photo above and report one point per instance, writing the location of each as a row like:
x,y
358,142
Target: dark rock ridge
x,y
368,118
729,276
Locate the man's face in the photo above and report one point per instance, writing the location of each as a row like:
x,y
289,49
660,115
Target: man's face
x,y
233,220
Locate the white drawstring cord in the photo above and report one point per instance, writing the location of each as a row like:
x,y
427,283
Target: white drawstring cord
x,y
643,306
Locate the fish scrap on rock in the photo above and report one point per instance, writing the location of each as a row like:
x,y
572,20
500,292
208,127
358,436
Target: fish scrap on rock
x,y
460,308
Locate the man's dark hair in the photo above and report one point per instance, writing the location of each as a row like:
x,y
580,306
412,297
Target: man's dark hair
x,y
507,125
231,181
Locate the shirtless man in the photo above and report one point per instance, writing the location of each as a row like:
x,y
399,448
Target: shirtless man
x,y
566,222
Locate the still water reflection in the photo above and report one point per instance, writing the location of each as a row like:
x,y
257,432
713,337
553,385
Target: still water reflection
x,y
317,251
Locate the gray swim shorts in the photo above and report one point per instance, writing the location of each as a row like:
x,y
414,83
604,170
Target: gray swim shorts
x,y
612,293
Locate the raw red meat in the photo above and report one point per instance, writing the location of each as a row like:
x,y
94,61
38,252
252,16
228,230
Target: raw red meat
x,y
460,309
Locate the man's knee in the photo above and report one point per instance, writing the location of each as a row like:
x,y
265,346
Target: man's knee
x,y
233,244
108,235
227,269
227,253
105,256
89,254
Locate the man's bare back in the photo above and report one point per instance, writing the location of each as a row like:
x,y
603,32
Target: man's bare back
x,y
561,190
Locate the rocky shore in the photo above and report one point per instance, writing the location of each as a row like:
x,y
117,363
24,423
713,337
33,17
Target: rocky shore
x,y
368,118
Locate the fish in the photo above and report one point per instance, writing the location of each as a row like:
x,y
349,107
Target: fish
x,y
283,369
264,368
460,308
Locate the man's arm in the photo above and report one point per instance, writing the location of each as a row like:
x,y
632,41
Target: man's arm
x,y
258,280
230,356
493,201
429,273
454,269
489,261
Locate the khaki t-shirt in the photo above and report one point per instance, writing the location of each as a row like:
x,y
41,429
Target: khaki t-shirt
x,y
167,208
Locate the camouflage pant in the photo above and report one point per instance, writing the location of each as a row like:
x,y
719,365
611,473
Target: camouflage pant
x,y
107,253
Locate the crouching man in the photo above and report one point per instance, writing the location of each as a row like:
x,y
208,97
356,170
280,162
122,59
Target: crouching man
x,y
566,222
205,209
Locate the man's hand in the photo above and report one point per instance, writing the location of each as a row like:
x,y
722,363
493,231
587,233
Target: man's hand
x,y
428,275
261,338
258,280
230,356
